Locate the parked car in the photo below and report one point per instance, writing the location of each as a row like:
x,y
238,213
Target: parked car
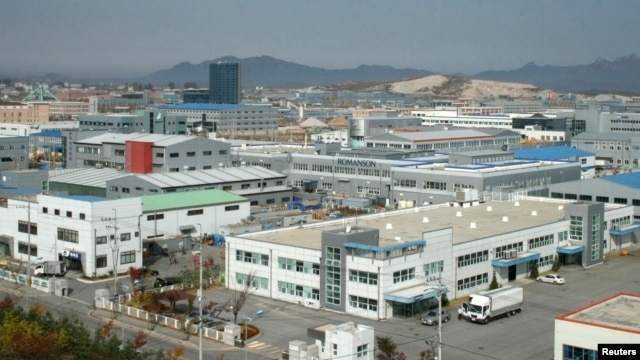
x,y
552,279
160,282
431,318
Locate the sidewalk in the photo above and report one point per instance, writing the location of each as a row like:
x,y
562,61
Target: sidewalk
x,y
178,338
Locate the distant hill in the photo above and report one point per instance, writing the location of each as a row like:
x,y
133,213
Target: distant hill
x,y
270,72
602,76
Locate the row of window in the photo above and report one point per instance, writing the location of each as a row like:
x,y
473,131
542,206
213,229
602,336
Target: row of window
x,y
541,241
126,257
363,277
252,257
473,281
602,199
69,214
473,258
306,292
299,266
404,275
508,250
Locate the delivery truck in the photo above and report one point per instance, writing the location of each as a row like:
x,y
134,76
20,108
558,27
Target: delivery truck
x,y
50,268
488,305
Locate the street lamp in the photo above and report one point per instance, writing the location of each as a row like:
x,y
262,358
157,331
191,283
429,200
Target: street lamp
x,y
200,294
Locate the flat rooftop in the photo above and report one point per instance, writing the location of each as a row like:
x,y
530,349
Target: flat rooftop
x,y
620,311
486,219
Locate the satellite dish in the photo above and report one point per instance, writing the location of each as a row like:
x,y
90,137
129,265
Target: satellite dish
x,y
159,116
348,229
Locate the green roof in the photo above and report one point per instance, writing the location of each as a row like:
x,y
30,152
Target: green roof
x,y
188,199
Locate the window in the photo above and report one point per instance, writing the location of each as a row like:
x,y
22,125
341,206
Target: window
x,y
101,240
333,276
232,208
541,241
155,217
434,268
45,210
473,281
226,187
126,190
125,236
82,216
191,153
271,201
68,235
334,348
577,353
23,227
363,277
23,248
101,261
195,212
159,155
128,257
174,155
206,153
404,275
56,212
575,228
473,258
617,200
362,351
119,152
363,303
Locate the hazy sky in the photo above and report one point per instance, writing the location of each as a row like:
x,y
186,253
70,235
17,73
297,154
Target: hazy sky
x,y
138,37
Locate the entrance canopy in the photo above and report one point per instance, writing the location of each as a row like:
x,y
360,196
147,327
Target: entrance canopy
x,y
571,250
519,259
625,230
413,294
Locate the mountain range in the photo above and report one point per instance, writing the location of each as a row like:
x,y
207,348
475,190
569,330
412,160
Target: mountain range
x,y
620,76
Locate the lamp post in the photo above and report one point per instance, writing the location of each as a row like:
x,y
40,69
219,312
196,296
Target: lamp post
x,y
200,294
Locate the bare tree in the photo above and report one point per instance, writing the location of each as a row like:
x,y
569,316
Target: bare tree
x,y
239,297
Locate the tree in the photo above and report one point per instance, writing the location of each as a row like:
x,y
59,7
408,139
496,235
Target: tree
x,y
172,85
494,282
534,270
387,349
36,334
239,297
556,263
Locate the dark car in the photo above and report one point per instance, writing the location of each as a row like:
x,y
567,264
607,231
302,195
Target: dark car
x,y
431,318
160,282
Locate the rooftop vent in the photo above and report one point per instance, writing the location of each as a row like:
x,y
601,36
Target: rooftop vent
x,y
517,203
505,219
472,225
489,208
459,213
389,226
534,213
425,219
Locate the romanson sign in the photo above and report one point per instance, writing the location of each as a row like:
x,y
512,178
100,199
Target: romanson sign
x,y
356,162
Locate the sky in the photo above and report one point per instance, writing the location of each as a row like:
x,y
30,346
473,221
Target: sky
x,y
95,38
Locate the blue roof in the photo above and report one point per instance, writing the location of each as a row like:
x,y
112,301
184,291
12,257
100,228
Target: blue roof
x,y
558,153
49,133
631,180
197,106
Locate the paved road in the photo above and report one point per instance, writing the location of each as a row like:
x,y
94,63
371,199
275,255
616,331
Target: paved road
x,y
528,335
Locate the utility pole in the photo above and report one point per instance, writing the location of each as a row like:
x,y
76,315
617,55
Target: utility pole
x,y
201,330
440,316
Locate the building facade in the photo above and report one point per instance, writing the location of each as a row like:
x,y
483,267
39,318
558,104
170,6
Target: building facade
x,y
225,83
90,232
394,264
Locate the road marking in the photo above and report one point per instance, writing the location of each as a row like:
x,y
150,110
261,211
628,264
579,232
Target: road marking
x,y
265,348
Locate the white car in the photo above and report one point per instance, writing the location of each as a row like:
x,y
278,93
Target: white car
x,y
552,279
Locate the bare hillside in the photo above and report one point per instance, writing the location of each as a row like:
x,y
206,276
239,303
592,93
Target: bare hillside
x,y
457,87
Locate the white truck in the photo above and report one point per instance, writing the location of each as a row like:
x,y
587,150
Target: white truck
x,y
50,268
488,305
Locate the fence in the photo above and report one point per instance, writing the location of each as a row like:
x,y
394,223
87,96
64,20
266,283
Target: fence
x,y
154,319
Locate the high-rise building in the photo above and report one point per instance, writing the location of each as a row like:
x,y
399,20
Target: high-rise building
x,y
224,83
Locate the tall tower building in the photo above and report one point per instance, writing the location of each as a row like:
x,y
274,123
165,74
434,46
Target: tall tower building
x,y
224,83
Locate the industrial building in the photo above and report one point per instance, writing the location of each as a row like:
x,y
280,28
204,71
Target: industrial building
x,y
90,232
612,320
392,264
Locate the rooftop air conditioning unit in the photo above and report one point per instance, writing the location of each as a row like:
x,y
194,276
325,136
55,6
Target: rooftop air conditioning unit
x,y
99,166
